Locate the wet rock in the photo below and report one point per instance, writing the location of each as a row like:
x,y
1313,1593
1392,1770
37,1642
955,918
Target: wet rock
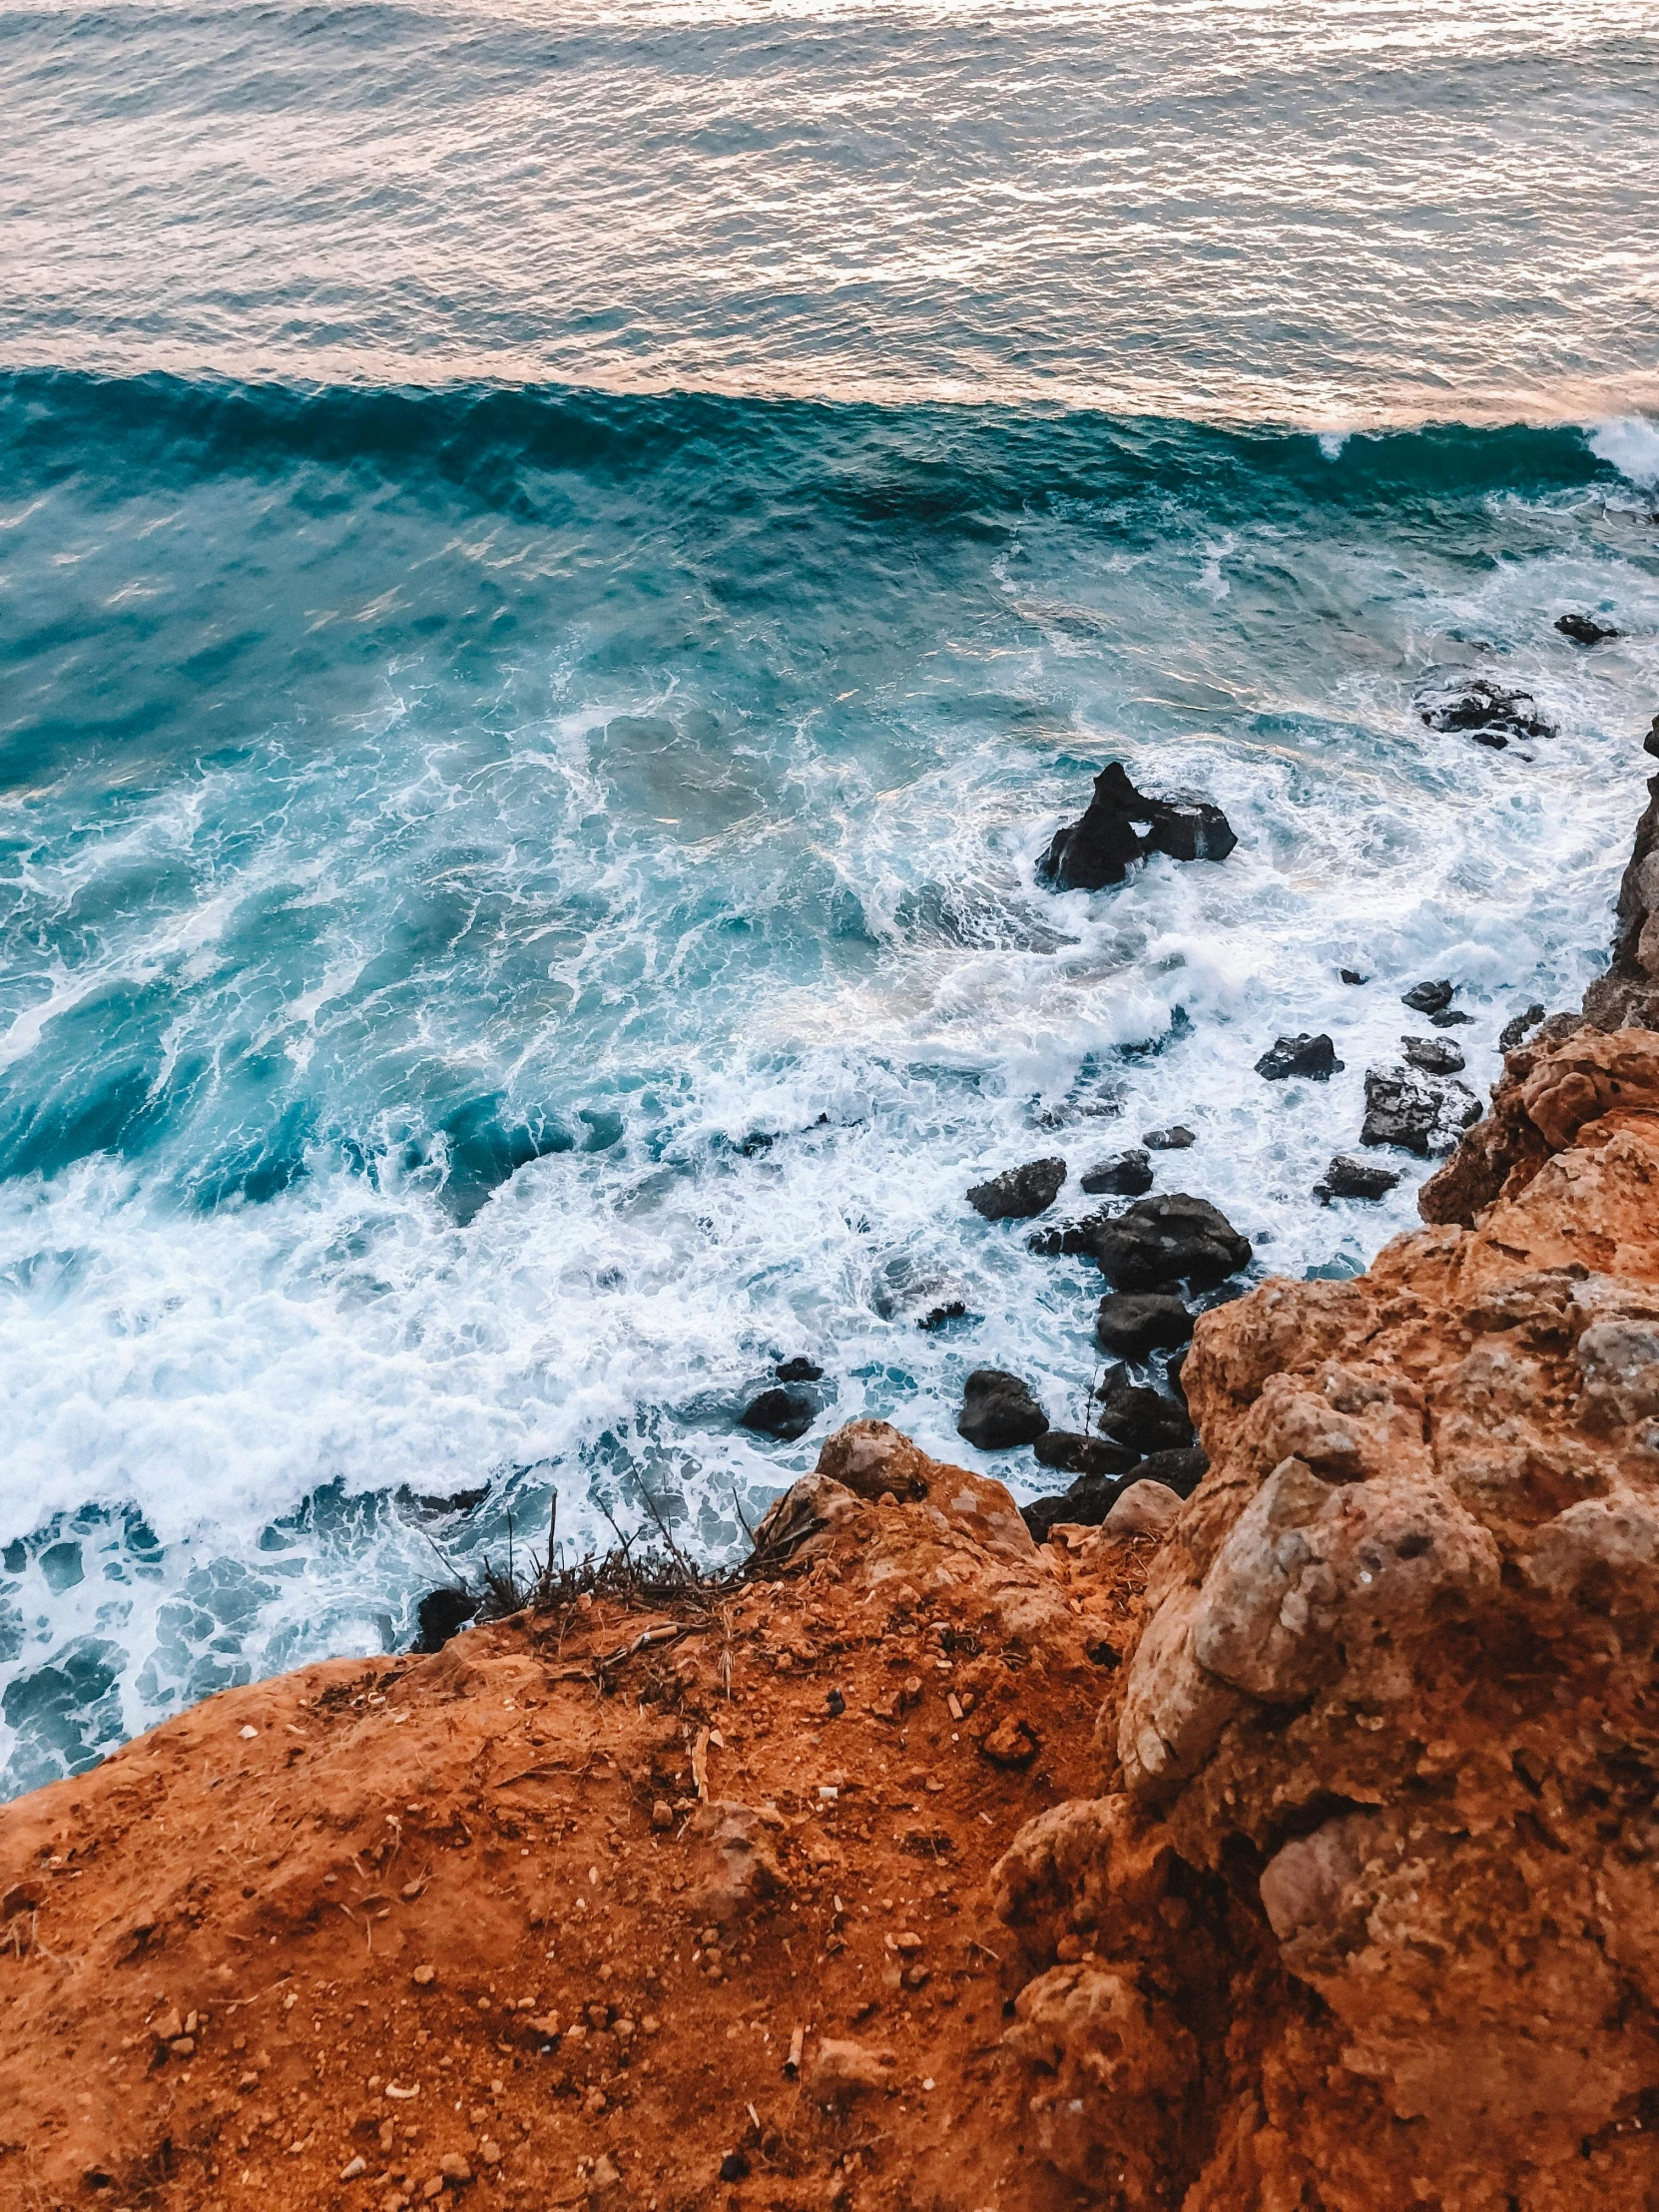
x,y
1452,1019
998,1412
1517,1026
1143,1421
1427,998
1019,1193
1650,744
1490,713
1347,1177
1584,629
1125,1174
799,1370
941,1315
1414,1112
1159,1241
1130,1323
1180,1471
909,1289
779,1414
1069,1239
440,1615
1123,825
1084,1505
1351,976
1174,1139
1433,1055
1312,1056
1094,1459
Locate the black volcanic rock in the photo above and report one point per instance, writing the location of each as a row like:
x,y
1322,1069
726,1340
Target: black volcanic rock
x,y
1019,1193
1180,1471
1159,1241
1490,713
799,1370
1130,1323
1122,826
1347,1177
1311,1056
1126,1175
1085,1504
1172,1139
1515,1029
781,1414
1097,1458
1145,1420
1427,998
442,1614
1433,1055
1584,629
1069,1238
1414,1112
998,1412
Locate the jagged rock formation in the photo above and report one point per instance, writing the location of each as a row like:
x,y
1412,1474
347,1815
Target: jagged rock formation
x,y
1123,825
1628,995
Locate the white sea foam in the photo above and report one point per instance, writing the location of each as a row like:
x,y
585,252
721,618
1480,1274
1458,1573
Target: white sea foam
x,y
1631,444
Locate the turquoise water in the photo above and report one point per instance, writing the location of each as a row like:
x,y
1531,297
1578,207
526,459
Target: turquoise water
x,y
517,874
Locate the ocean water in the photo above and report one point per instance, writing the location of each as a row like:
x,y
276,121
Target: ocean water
x,y
557,573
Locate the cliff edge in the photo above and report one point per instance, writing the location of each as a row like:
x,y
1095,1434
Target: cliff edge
x,y
1300,1853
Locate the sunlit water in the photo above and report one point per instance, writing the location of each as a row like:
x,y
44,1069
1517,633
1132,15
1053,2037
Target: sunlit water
x,y
521,779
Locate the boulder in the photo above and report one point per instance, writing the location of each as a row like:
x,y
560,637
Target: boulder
x,y
1351,975
1143,1508
799,1370
1584,629
998,1412
1067,1239
1415,1113
1432,1055
1019,1193
1174,1139
1180,1471
1515,1029
1143,1421
1122,826
1347,1177
1312,1056
1085,1506
872,1458
1427,998
1490,713
1450,1018
1130,1323
1159,1241
1125,1174
443,1613
782,1413
1094,1459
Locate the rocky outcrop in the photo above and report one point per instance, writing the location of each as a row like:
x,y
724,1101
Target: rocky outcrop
x,y
1123,825
1367,1902
1627,997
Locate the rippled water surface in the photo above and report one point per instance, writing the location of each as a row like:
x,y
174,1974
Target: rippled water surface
x,y
558,570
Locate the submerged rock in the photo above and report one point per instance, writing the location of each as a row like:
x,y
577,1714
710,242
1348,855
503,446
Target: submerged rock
x,y
998,1412
1019,1193
1122,826
1490,713
1427,998
799,1370
1312,1056
1412,1111
1584,629
1433,1055
1069,1238
1130,1323
1347,1177
1159,1241
1174,1139
1125,1174
782,1413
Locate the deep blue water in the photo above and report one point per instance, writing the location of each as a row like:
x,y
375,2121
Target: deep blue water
x,y
517,874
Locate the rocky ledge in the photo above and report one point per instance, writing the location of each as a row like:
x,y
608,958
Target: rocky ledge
x,y
1292,1846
